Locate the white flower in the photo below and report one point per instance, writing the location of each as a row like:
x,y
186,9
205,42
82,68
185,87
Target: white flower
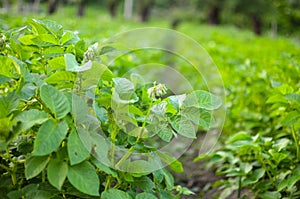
x,y
157,90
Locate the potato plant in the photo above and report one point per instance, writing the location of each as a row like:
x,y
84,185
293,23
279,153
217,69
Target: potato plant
x,y
72,128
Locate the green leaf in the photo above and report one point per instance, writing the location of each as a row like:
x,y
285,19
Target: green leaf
x,y
115,194
55,100
202,99
291,181
143,183
186,128
69,38
76,149
27,39
166,134
6,128
34,165
123,86
53,51
8,104
256,175
137,79
49,137
276,99
101,113
83,177
57,63
57,172
174,164
293,96
137,166
239,136
47,38
169,179
72,64
145,196
165,195
291,118
51,26
124,91
197,116
104,168
31,117
30,191
60,77
270,195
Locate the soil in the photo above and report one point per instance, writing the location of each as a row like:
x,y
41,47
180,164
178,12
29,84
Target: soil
x,y
197,177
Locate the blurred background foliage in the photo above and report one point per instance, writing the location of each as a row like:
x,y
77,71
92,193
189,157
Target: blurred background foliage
x,y
274,16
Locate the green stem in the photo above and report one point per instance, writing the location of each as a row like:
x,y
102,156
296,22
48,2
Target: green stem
x,y
43,176
5,167
129,152
108,183
240,187
131,149
296,142
145,122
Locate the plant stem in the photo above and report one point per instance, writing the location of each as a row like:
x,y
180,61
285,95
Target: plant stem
x,y
108,183
296,142
5,167
131,149
129,152
240,187
43,176
112,147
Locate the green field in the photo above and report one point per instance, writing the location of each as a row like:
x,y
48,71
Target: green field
x,y
258,152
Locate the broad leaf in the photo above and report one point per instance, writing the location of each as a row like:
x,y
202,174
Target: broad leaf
x,y
57,63
69,38
76,149
60,77
166,134
72,64
34,165
174,164
84,178
115,194
145,196
49,137
55,100
57,172
202,99
291,118
104,168
31,117
143,183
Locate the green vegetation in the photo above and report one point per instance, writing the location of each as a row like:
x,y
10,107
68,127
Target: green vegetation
x,y
259,148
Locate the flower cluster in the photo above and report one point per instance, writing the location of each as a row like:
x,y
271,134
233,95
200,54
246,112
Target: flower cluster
x,y
157,90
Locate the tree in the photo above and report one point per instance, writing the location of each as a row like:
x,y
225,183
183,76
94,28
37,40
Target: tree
x,y
144,9
81,7
112,7
128,8
212,9
255,11
52,6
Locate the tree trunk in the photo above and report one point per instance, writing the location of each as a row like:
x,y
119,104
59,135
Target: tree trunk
x,y
256,25
112,7
213,17
20,6
128,7
6,5
52,6
144,11
81,8
36,5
